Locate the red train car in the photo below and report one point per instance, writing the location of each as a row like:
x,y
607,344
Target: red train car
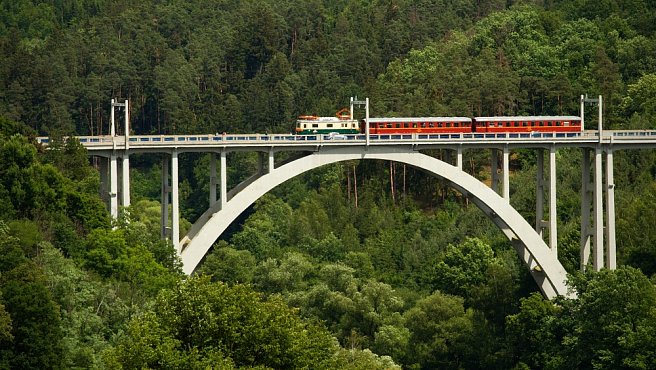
x,y
527,124
408,125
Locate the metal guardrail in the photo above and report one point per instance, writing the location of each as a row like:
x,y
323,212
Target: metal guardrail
x,y
236,139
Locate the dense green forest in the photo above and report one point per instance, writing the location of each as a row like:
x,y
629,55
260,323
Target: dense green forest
x,y
358,265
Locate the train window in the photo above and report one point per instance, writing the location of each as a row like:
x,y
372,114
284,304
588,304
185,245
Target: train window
x,y
414,125
516,124
329,125
566,123
524,124
431,124
389,125
398,125
549,123
305,125
423,125
315,125
557,123
456,124
532,123
406,125
439,124
541,123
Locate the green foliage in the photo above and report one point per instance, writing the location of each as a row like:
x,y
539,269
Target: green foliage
x,y
197,321
229,265
32,329
464,266
610,325
365,267
441,329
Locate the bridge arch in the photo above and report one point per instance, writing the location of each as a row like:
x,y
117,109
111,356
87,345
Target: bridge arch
x,y
543,264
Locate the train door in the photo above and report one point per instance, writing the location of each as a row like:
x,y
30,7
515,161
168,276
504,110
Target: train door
x,y
473,125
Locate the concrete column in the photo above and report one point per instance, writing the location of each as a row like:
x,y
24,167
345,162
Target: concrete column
x,y
212,178
539,191
224,181
611,262
271,161
175,203
598,209
165,197
494,167
553,217
104,179
260,163
459,158
506,173
113,187
585,208
125,183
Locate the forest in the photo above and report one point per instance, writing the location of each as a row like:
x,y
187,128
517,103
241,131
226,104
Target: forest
x,y
356,265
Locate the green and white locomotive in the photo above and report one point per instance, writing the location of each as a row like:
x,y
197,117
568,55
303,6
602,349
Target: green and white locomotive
x,y
342,123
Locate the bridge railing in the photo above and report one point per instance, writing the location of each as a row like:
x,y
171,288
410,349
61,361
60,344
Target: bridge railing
x,y
237,139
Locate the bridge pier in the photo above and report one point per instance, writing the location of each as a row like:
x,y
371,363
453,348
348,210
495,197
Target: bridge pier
x,y
213,181
175,202
592,233
505,172
610,212
125,180
113,186
165,193
540,223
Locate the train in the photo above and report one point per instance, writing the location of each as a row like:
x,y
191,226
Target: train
x,y
343,123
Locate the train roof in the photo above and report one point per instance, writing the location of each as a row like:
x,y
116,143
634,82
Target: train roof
x,y
419,119
527,118
316,119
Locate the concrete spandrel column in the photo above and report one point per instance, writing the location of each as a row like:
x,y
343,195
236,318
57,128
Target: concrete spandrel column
x,y
459,158
506,173
165,197
553,216
611,262
494,168
175,203
212,178
224,181
585,209
598,245
539,191
113,188
125,183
